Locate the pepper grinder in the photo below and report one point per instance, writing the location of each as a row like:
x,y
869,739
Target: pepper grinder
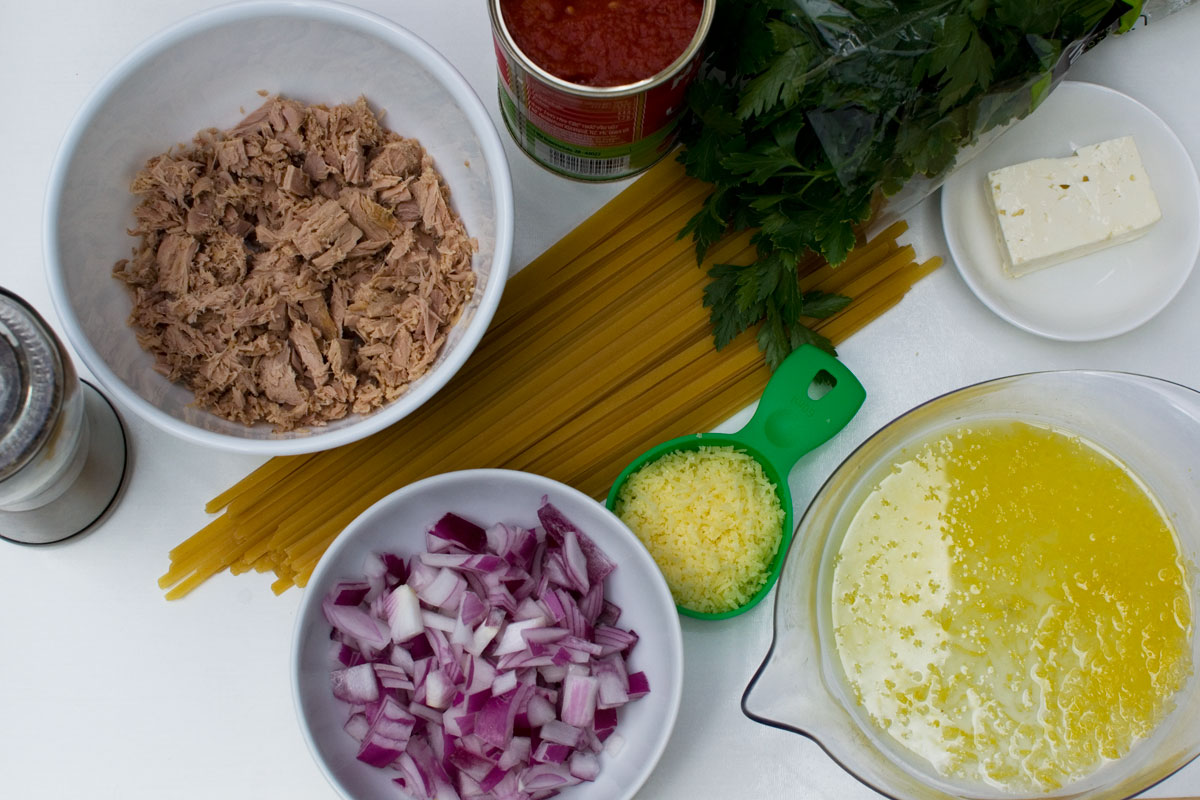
x,y
62,445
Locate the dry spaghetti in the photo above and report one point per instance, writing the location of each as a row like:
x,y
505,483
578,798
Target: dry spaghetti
x,y
600,349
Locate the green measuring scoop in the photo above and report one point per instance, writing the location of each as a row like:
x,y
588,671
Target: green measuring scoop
x,y
798,411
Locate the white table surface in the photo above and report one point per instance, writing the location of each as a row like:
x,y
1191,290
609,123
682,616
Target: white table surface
x,y
109,691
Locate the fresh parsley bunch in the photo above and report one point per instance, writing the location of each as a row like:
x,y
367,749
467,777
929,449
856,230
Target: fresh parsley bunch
x,y
808,110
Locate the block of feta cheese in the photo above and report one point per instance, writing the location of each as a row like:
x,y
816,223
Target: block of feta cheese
x,y
1050,210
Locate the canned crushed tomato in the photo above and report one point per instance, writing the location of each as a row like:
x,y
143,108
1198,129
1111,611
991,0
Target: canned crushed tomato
x,y
593,132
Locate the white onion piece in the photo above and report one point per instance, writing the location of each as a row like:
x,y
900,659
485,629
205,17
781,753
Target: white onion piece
x,y
357,726
437,621
584,766
561,733
511,641
540,711
404,614
439,691
486,632
355,684
504,682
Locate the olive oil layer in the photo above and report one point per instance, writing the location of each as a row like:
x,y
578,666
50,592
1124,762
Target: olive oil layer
x,y
1011,604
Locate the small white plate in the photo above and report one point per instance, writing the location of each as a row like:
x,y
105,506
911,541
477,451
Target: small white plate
x,y
1099,295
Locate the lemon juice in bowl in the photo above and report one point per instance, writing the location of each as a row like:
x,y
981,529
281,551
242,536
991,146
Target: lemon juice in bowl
x,y
1010,604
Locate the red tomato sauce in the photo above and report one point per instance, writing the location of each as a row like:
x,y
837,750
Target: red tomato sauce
x,y
602,42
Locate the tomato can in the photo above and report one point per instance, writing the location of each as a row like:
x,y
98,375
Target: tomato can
x,y
593,133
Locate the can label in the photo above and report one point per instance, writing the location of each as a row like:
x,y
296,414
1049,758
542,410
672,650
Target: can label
x,y
590,138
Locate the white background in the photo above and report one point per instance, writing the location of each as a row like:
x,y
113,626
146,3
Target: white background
x,y
108,691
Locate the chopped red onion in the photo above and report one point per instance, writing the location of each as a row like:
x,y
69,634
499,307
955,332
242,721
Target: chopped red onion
x,y
441,591
425,712
379,751
473,610
355,684
513,640
349,593
347,655
404,614
585,766
613,682
575,562
505,682
391,676
599,565
439,691
545,776
614,640
605,722
539,712
440,622
490,666
579,699
452,530
609,614
486,632
403,659
561,733
357,726
639,686
551,753
353,621
517,754
494,722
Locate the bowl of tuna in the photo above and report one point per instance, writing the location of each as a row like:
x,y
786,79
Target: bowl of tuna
x,y
487,634
278,227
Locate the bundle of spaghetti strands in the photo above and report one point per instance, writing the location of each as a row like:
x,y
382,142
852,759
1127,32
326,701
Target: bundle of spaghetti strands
x,y
600,349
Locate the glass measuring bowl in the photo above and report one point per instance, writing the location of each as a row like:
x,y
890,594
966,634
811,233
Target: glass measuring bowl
x,y
1151,425
795,414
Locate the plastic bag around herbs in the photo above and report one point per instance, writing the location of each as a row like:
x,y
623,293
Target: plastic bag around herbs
x,y
989,114
812,116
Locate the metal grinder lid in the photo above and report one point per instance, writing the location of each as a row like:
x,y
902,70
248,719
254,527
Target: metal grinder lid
x,y
32,383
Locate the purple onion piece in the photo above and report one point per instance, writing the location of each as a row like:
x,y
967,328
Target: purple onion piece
x,y
453,529
545,776
599,565
349,593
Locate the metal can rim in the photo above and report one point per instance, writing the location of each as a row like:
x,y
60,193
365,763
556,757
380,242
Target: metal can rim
x,y
622,90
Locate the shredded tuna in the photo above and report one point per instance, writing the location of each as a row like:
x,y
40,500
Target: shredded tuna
x,y
301,266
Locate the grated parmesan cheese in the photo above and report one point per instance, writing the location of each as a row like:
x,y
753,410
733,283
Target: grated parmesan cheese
x,y
712,521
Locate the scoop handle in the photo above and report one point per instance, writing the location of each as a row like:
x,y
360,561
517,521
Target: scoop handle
x,y
789,422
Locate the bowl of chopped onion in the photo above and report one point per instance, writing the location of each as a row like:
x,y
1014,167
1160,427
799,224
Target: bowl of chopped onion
x,y
487,633
278,227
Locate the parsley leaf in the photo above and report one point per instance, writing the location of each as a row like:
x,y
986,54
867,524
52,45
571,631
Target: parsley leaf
x,y
802,335
720,297
823,304
970,69
772,337
784,77
837,240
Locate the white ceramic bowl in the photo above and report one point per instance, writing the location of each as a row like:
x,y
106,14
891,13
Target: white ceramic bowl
x,y
201,73
397,524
